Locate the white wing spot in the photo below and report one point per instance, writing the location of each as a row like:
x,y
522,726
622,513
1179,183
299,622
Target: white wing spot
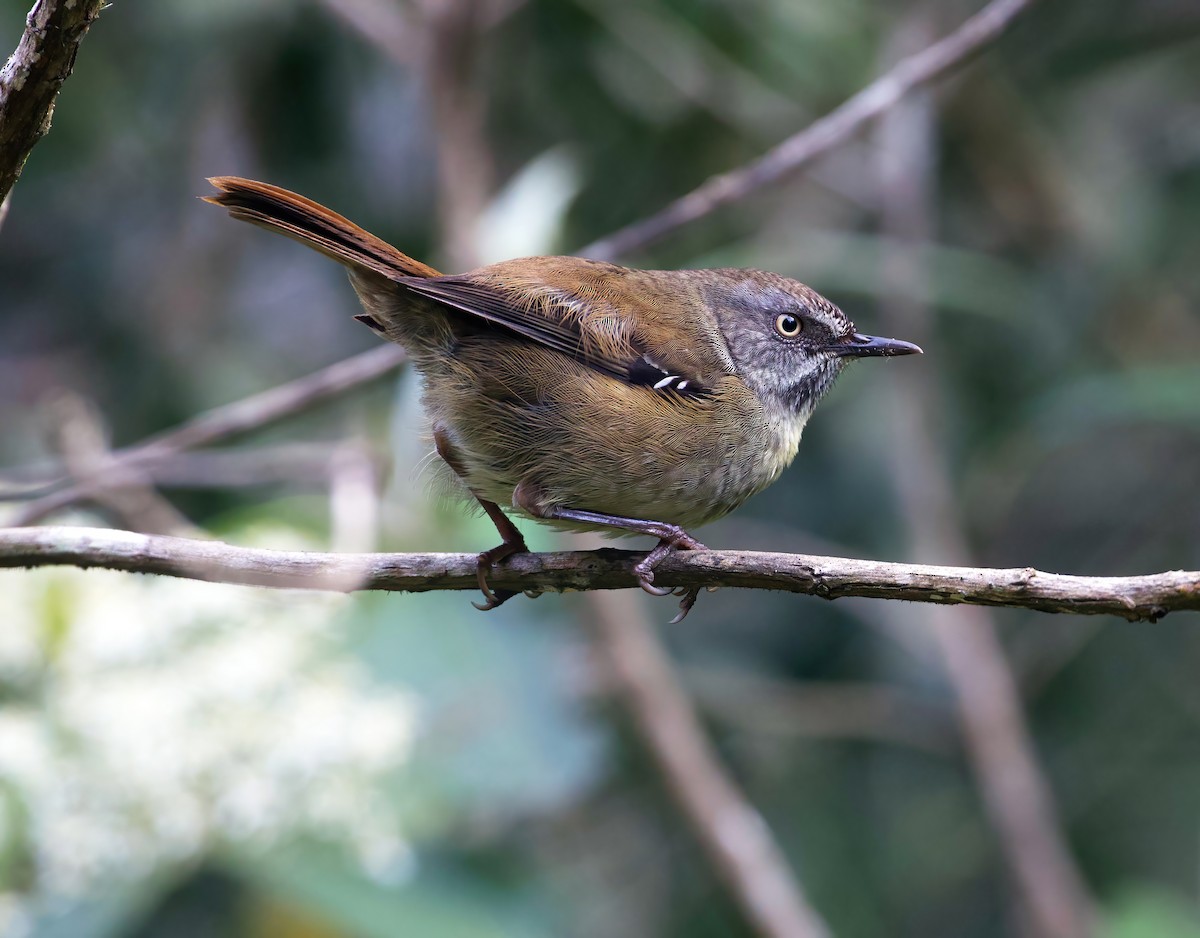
x,y
666,382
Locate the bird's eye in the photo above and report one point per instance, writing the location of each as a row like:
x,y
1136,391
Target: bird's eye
x,y
788,326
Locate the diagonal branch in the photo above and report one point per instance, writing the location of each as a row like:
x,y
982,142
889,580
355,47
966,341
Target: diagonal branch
x,y
32,76
223,423
821,136
1148,597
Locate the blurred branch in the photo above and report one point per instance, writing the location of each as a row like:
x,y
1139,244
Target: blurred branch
x,y
733,835
453,32
383,23
222,423
1148,597
32,76
388,25
765,707
353,498
1016,795
297,464
129,496
982,29
696,68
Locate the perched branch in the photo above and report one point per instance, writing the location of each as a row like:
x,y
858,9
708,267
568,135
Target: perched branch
x,y
821,136
1135,598
33,75
223,423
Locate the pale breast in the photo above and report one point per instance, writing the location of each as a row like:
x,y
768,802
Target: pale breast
x,y
590,442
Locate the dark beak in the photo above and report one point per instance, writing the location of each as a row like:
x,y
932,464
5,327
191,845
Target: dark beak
x,y
858,345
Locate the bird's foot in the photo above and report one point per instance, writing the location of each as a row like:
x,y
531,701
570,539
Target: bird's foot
x,y
676,539
493,598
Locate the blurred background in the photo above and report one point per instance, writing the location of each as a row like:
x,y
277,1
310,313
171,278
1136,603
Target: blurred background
x,y
182,759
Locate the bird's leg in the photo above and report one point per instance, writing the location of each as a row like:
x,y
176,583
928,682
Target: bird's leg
x,y
671,537
513,541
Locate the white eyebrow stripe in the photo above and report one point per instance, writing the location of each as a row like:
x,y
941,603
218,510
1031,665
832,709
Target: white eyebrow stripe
x,y
665,382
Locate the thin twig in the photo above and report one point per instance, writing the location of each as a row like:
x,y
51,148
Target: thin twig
x,y
34,74
286,464
1148,597
231,420
982,29
695,67
129,496
774,708
731,832
1017,797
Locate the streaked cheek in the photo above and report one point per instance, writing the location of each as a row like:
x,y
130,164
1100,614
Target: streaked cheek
x,y
810,383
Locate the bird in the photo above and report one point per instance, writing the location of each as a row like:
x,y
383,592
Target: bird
x,y
586,395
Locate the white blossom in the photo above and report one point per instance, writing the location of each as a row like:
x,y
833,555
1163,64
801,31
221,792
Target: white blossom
x,y
148,720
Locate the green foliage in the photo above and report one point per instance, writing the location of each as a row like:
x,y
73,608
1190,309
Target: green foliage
x,y
1146,912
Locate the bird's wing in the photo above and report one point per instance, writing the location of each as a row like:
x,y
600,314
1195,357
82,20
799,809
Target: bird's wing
x,y
577,317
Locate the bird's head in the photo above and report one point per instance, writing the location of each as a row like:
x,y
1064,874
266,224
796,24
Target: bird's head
x,y
787,342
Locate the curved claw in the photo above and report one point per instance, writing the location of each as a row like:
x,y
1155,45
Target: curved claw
x,y
644,571
685,605
481,578
645,578
653,590
492,599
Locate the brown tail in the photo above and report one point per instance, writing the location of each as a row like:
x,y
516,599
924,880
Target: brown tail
x,y
309,223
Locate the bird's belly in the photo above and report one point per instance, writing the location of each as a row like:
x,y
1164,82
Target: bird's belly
x,y
669,463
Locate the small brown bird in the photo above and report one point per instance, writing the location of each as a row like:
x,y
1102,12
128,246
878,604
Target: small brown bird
x,y
591,396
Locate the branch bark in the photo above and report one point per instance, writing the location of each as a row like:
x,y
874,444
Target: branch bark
x,y
1148,597
821,136
32,76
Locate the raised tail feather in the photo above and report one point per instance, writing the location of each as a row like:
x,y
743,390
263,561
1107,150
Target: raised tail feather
x,y
313,224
